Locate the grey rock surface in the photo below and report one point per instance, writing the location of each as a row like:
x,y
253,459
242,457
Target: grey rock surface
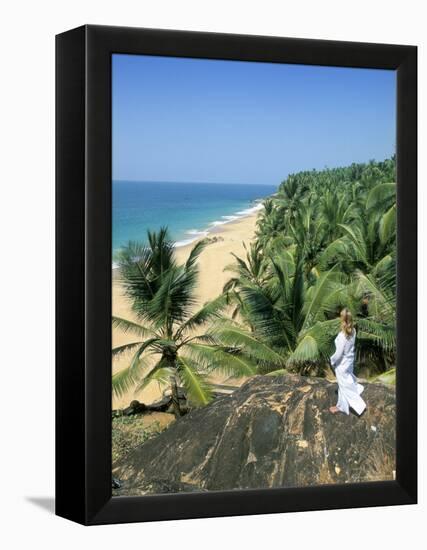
x,y
272,432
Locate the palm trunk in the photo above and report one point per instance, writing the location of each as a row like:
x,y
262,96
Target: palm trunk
x,y
175,398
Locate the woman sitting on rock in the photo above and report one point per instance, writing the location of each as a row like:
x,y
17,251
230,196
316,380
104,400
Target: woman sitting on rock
x,y
342,362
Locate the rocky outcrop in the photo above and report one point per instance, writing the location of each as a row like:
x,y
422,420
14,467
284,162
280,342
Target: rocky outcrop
x,y
272,432
165,403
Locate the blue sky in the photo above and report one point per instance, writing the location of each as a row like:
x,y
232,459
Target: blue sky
x,y
198,120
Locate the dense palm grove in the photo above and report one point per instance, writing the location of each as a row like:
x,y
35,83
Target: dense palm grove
x,y
326,240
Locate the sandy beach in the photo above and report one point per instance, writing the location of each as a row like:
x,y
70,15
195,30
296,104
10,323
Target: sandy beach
x,y
215,257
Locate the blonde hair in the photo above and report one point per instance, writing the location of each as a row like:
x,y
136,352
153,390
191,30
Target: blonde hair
x,y
347,324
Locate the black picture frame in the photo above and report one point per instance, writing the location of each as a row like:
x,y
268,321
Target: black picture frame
x,y
83,274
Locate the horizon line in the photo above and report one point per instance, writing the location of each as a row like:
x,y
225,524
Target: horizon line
x,y
325,167
194,182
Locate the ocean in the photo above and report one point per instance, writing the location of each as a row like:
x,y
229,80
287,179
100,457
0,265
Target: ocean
x,y
189,210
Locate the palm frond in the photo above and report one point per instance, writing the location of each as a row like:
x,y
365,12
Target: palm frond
x,y
229,361
277,372
119,350
160,374
235,336
380,194
314,344
383,335
319,295
387,230
380,305
357,240
128,376
197,389
123,381
210,311
129,326
174,299
306,350
388,377
335,251
195,253
271,322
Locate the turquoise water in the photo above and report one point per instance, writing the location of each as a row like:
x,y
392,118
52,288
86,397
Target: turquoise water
x,y
189,210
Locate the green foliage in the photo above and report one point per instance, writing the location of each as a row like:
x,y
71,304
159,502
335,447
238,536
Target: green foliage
x,y
388,377
179,345
326,240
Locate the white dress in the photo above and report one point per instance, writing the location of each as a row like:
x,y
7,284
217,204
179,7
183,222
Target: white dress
x,y
348,388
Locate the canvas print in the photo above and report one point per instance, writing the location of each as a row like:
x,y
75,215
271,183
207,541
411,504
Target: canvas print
x,y
253,275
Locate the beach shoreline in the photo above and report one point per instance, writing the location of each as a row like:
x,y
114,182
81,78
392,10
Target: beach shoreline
x,y
237,226
215,227
226,239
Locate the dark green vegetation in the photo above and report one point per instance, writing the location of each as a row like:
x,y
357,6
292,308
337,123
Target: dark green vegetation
x,y
325,241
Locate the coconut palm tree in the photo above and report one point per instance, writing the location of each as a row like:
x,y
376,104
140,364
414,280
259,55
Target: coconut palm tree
x,y
270,223
333,245
177,344
286,313
370,240
254,269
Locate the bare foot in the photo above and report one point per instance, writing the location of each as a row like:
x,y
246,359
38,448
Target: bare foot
x,y
334,410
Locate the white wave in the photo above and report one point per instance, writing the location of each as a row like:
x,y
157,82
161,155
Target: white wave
x,y
196,232
177,244
250,211
237,216
217,222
